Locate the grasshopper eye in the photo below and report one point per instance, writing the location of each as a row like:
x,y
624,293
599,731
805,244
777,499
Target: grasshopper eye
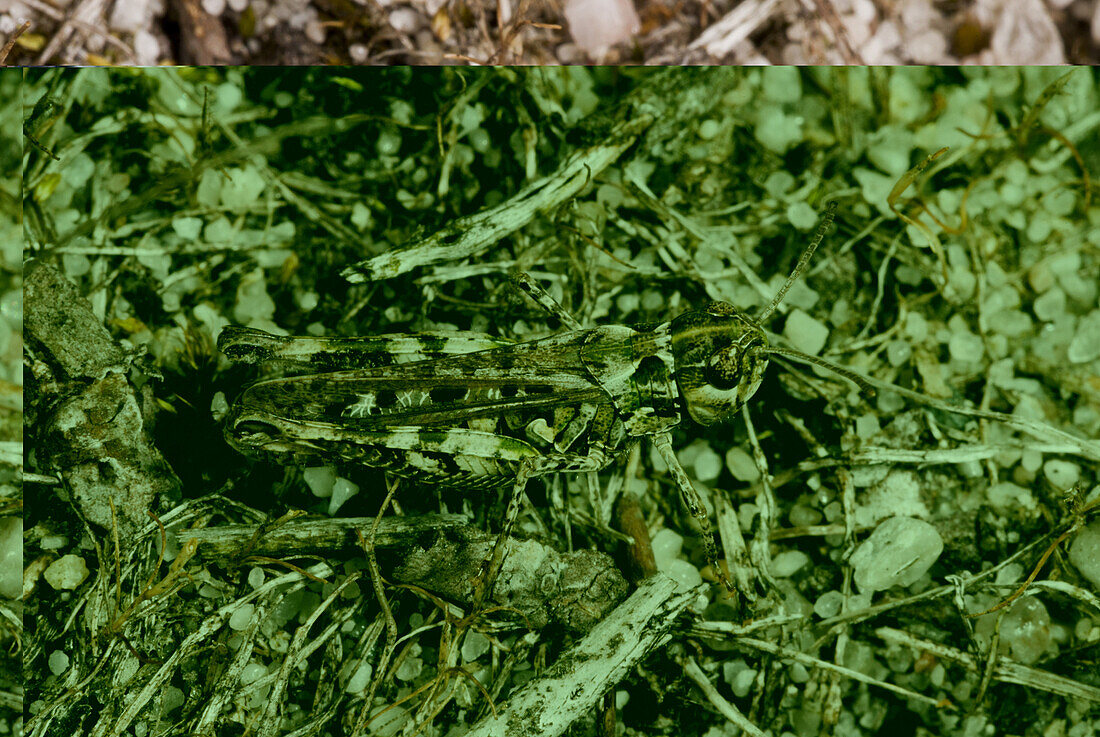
x,y
723,370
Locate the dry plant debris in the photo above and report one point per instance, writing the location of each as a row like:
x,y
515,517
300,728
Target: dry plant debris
x,y
961,283
429,32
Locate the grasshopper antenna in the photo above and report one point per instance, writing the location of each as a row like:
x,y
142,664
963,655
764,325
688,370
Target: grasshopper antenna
x,y
865,387
830,213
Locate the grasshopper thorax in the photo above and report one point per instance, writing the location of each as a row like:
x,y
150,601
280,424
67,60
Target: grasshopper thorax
x,y
720,355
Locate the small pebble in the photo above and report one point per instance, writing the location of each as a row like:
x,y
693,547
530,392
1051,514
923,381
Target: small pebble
x,y
66,573
1050,304
803,516
867,426
320,480
788,563
1025,630
405,20
252,673
342,490
256,577
474,646
829,604
965,346
58,662
741,465
916,327
708,464
1085,345
805,333
241,617
360,679
1084,552
666,546
684,574
897,553
1062,474
1031,460
898,352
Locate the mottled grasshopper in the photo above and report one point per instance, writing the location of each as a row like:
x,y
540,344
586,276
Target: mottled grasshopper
x,y
473,412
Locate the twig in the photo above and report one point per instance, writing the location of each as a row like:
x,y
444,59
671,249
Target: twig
x,y
725,708
10,43
546,706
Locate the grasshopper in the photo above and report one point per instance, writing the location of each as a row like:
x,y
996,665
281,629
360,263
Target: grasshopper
x,y
469,411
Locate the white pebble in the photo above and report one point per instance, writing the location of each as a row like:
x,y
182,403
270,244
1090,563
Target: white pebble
x,y
11,557
965,346
684,574
802,515
405,20
788,563
781,83
1007,495
146,48
1085,345
242,187
67,572
1084,552
171,700
666,546
708,464
360,679
315,31
916,327
742,682
1062,474
867,426
214,7
897,553
474,646
320,480
256,577
1050,304
252,673
1031,460
242,617
898,352
741,465
597,25
187,228
805,333
1026,630
358,53
342,490
829,604
58,662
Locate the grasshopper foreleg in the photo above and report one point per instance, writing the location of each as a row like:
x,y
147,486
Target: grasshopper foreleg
x,y
691,499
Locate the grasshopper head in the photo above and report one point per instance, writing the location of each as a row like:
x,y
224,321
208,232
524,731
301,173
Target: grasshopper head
x,y
721,353
720,357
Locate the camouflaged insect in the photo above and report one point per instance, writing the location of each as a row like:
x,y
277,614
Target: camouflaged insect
x,y
473,412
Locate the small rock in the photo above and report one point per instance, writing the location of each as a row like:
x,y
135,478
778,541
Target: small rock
x,y
897,553
66,573
805,333
1084,552
741,465
1085,345
1062,474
